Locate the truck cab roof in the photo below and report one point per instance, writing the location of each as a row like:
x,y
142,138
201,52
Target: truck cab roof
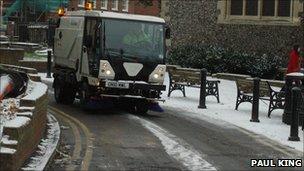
x,y
115,15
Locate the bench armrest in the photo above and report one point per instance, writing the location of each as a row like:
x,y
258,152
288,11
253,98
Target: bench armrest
x,y
275,93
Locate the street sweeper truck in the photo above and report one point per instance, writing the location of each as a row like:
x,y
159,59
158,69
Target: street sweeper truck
x,y
106,55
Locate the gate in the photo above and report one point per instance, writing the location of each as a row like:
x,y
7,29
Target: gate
x,y
36,32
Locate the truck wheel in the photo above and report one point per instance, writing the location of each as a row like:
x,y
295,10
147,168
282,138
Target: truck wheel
x,y
69,95
58,93
64,94
140,107
84,94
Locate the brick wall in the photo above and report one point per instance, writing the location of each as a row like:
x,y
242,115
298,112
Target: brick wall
x,y
73,5
11,55
134,7
137,8
196,22
40,66
28,135
14,56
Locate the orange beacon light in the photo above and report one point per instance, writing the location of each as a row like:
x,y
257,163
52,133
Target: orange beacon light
x,y
88,5
61,11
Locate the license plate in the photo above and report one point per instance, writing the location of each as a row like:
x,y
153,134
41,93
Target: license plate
x,y
115,84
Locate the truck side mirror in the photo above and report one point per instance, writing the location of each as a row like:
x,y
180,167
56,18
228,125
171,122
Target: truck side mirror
x,y
168,32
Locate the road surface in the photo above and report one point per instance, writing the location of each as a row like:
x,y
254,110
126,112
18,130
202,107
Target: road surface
x,y
114,139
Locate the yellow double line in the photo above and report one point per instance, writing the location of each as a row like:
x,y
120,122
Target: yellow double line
x,y
78,142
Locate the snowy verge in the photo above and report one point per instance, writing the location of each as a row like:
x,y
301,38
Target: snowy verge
x,y
36,90
273,128
46,147
45,79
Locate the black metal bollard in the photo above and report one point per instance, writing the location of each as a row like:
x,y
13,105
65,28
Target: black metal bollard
x,y
202,100
290,80
294,125
255,102
287,108
49,63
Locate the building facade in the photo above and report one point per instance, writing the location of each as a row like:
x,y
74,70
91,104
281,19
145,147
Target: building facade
x,y
262,26
124,6
29,8
7,3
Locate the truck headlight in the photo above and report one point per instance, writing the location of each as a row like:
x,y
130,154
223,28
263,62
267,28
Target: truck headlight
x,y
158,75
106,71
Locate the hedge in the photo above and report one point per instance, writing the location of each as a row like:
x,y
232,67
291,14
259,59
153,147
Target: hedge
x,y
216,59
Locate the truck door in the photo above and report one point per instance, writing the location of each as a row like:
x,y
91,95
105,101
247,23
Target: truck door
x,y
92,47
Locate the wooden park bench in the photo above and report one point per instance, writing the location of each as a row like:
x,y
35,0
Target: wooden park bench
x,y
245,94
187,77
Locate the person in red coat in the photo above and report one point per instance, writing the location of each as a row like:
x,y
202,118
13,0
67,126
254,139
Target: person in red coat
x,y
294,60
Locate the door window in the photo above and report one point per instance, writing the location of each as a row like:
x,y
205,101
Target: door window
x,y
92,44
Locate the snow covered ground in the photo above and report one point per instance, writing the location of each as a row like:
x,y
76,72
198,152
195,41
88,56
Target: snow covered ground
x,y
272,128
8,109
44,79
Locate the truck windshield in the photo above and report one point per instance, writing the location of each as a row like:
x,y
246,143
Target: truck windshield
x,y
134,40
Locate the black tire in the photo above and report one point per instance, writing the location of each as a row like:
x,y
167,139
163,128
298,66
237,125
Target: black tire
x,y
70,94
84,94
58,93
64,93
140,107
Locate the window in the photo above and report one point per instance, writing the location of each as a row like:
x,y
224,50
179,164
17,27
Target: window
x,y
268,8
92,37
125,5
114,5
94,3
252,7
236,7
284,8
81,3
260,11
138,40
104,4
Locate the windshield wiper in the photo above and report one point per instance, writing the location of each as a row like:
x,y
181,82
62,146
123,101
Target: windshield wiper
x,y
132,59
129,57
121,54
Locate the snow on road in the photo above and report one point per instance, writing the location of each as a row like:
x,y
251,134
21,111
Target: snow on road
x,y
176,147
272,128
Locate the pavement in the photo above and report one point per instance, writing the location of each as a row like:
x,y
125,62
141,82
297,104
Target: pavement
x,y
114,139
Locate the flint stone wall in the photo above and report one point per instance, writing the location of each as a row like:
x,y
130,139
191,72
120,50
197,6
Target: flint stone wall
x,y
195,21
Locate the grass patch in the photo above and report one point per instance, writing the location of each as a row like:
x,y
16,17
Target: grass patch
x,y
34,56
